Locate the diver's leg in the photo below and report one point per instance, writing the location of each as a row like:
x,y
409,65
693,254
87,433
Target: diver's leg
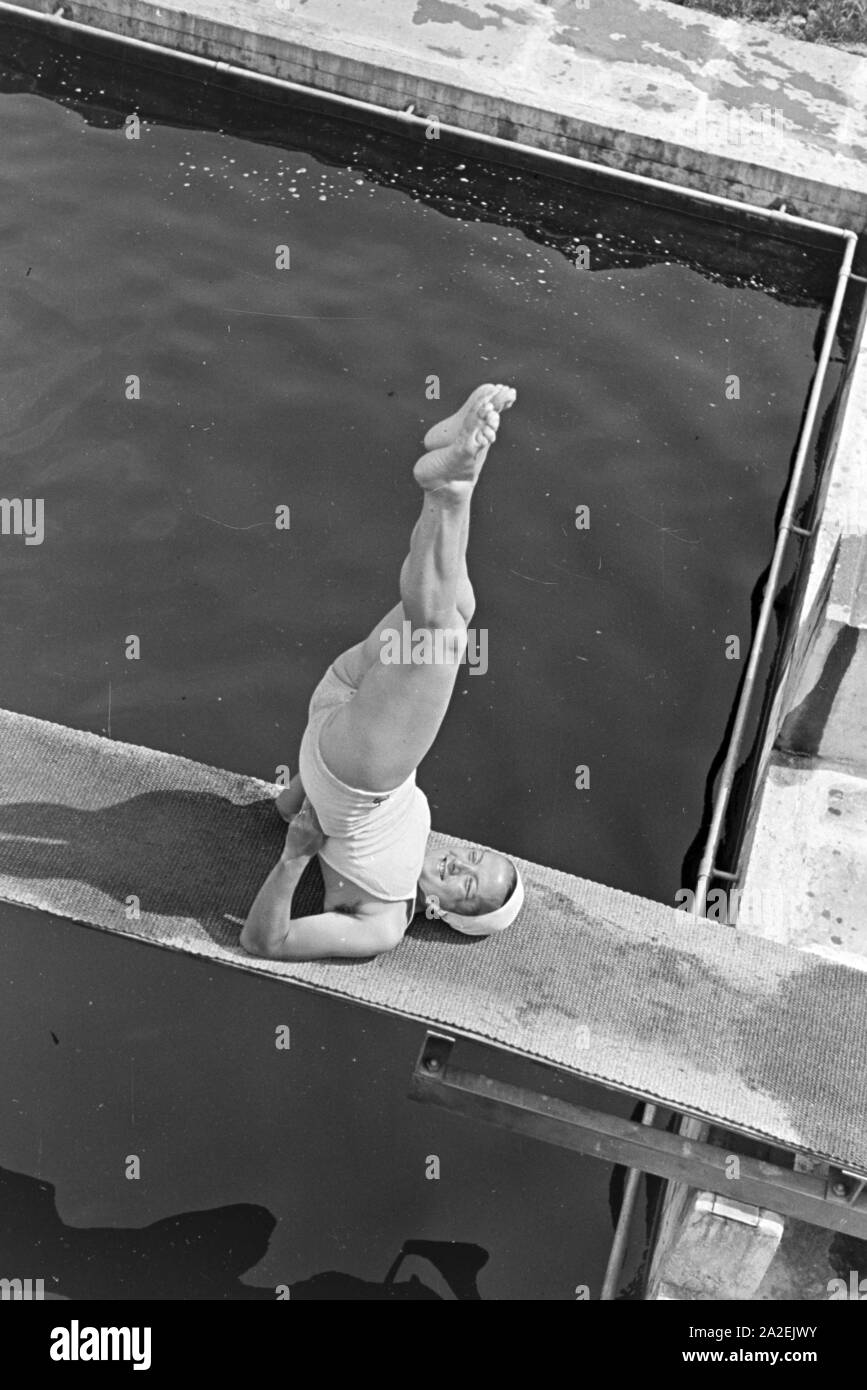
x,y
378,738
355,661
446,431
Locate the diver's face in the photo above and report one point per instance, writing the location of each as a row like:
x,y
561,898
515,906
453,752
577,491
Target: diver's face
x,y
470,881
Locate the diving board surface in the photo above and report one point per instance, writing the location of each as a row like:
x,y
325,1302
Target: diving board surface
x,y
630,993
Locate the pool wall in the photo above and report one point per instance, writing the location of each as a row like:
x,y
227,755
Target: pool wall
x,y
640,85
719,107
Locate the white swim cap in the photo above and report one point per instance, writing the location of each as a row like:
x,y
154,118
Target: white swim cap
x,y
487,922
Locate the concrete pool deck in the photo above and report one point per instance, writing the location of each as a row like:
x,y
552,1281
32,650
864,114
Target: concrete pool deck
x,y
716,106
641,85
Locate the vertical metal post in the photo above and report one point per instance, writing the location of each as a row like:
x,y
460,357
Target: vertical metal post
x,y
624,1221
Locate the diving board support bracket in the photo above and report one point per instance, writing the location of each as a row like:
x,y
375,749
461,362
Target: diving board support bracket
x,y
837,1202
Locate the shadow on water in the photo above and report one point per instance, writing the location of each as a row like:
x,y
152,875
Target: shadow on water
x,y
195,1255
458,1263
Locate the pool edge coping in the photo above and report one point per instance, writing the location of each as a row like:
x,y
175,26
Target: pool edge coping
x,y
514,100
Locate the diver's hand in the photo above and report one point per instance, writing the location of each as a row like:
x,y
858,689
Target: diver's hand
x,y
304,835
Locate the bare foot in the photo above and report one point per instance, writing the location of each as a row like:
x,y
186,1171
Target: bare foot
x,y
446,431
457,465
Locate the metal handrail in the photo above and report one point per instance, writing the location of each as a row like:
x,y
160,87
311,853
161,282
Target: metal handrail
x,y
784,530
722,796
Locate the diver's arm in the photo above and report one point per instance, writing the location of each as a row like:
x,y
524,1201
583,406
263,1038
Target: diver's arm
x,y
270,931
291,798
268,918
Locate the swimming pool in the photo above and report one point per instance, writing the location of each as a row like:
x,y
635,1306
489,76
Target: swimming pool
x,y
308,388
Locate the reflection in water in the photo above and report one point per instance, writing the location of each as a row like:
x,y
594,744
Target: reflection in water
x,y
195,1255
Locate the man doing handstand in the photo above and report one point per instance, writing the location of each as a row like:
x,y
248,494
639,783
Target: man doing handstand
x,y
354,801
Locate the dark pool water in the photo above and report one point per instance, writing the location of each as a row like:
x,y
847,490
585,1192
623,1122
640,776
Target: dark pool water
x,y
306,388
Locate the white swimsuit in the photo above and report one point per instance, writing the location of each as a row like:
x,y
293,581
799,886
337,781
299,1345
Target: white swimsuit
x,y
375,839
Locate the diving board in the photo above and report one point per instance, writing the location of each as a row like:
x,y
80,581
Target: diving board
x,y
712,1022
